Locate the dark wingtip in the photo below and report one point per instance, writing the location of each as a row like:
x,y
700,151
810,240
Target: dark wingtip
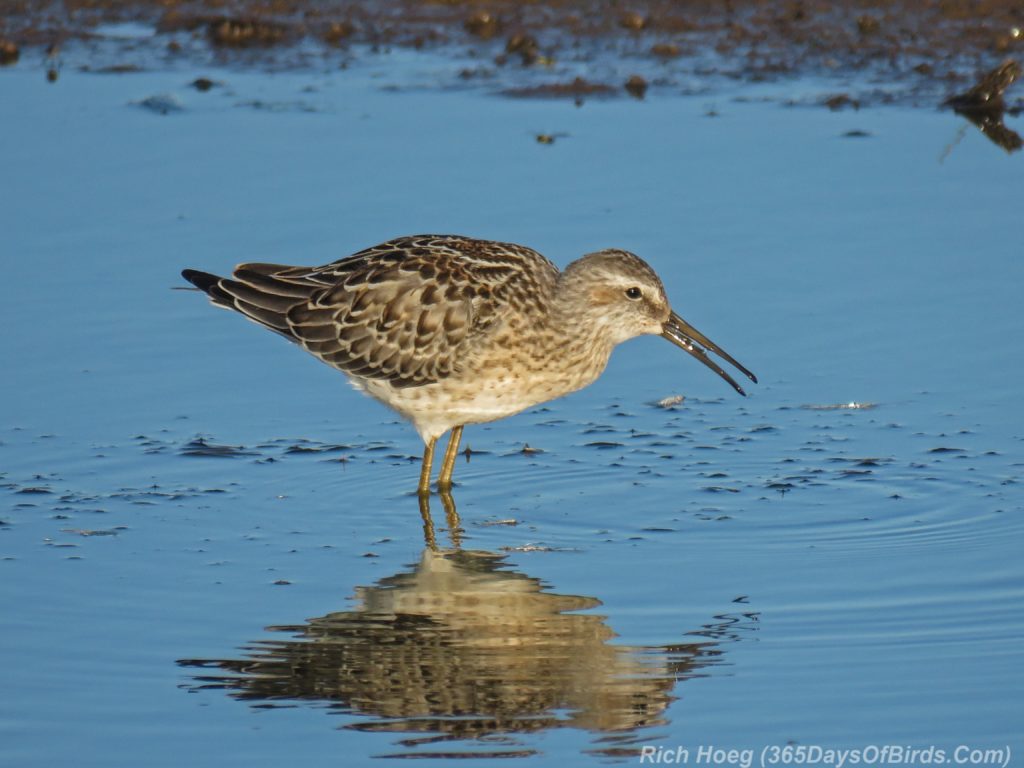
x,y
202,280
210,285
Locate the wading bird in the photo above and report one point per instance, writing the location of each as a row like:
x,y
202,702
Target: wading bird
x,y
450,330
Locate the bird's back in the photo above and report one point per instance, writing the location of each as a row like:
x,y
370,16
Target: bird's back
x,y
408,311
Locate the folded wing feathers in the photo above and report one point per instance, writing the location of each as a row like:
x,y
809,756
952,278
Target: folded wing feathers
x,y
374,324
403,311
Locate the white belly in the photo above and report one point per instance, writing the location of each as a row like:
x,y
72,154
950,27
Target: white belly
x,y
435,408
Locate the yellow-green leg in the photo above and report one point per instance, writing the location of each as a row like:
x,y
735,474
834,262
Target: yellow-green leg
x,y
428,464
444,480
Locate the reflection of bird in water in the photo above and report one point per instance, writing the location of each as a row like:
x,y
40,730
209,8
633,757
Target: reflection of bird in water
x,y
450,331
461,647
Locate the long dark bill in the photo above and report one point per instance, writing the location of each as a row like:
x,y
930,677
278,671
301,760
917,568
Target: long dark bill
x,y
685,336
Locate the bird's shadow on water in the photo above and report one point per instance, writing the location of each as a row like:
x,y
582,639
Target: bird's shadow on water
x,y
460,649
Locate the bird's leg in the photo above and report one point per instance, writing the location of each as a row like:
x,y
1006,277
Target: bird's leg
x,y
428,463
444,480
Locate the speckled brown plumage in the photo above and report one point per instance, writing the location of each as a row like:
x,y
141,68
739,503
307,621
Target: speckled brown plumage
x,y
405,311
450,330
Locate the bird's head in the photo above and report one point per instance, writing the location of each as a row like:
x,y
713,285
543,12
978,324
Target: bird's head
x,y
623,297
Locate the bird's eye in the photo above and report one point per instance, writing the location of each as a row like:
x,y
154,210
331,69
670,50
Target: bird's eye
x,y
634,293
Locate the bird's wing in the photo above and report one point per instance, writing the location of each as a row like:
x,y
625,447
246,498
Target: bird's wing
x,y
405,311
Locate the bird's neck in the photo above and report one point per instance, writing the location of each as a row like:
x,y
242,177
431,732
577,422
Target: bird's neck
x,y
583,347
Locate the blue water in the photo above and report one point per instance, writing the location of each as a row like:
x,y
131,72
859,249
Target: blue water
x,y
730,572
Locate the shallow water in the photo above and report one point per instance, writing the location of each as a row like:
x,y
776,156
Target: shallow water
x,y
210,547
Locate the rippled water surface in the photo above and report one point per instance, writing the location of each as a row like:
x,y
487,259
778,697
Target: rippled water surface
x,y
209,549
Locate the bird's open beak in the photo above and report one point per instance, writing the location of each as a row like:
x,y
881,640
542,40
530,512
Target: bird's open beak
x,y
685,336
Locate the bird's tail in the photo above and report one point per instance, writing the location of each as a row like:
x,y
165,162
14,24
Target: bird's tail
x,y
254,293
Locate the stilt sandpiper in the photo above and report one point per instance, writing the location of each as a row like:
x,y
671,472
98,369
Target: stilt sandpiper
x,y
450,330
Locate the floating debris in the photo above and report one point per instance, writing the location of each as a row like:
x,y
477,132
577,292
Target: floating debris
x,y
853,405
984,106
636,86
525,46
537,548
666,50
577,88
987,93
90,532
482,24
841,101
204,84
245,32
317,448
632,21
278,106
115,69
338,32
506,521
868,25
671,401
871,462
162,104
200,447
9,52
